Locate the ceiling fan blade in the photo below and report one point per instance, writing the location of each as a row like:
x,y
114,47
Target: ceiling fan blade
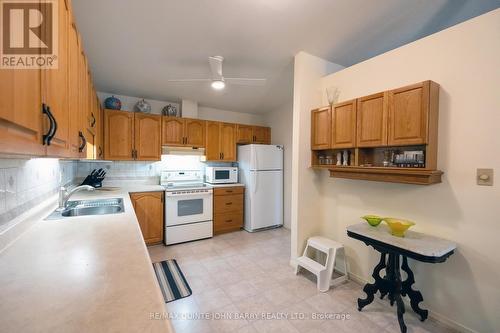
x,y
189,80
216,66
245,81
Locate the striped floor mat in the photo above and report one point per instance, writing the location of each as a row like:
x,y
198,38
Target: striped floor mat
x,y
173,284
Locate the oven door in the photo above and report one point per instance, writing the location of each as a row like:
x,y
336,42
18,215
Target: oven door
x,y
187,207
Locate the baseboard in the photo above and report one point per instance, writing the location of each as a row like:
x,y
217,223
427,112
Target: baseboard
x,y
432,314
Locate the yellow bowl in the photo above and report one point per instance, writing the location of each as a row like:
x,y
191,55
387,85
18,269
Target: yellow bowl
x,y
398,226
372,220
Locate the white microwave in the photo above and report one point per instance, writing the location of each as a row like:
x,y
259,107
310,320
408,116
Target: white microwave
x,y
221,175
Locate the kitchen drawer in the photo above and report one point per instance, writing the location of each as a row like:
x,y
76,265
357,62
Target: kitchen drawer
x,y
228,203
229,190
228,222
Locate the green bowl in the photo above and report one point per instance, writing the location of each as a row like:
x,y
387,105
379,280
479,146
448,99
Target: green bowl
x,y
373,220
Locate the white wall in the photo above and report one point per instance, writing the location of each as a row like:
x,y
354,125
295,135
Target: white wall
x,y
281,122
465,61
208,113
203,112
306,199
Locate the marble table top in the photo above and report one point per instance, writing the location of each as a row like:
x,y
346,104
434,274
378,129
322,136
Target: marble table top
x,y
416,242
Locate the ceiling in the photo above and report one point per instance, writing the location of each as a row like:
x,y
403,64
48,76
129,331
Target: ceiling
x,y
135,47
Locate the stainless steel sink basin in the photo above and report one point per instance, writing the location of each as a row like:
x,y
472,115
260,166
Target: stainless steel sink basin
x,y
88,208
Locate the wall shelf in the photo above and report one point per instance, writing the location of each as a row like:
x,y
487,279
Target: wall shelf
x,y
387,174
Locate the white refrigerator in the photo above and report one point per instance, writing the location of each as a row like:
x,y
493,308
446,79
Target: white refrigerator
x,y
261,170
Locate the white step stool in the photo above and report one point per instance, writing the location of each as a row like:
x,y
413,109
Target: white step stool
x,y
323,273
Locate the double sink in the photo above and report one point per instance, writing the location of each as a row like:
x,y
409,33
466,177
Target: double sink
x,y
89,208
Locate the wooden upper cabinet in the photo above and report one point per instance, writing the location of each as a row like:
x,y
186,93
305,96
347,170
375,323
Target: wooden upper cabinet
x,y
99,135
212,133
321,126
55,88
184,132
244,134
409,114
194,133
261,134
372,120
228,142
147,137
74,91
119,135
21,116
344,125
172,131
148,207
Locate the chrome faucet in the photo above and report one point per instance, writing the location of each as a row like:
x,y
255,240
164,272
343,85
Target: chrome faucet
x,y
64,194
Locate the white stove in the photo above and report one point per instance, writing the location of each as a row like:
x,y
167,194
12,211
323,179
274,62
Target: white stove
x,y
188,206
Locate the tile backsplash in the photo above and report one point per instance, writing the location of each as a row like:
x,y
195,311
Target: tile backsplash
x,y
25,183
131,170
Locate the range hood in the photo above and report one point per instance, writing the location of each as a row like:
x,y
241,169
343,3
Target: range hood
x,y
172,150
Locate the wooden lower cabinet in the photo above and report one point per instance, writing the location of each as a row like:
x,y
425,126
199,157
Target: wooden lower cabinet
x,y
228,209
149,210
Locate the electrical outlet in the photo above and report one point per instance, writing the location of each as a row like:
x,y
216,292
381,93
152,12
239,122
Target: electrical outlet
x,y
484,177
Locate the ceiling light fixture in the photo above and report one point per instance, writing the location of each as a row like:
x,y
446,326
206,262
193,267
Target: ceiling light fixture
x,y
218,84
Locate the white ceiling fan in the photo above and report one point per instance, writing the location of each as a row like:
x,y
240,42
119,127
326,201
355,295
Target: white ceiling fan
x,y
218,80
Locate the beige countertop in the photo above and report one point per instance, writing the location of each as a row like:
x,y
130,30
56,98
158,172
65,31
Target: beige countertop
x,y
81,274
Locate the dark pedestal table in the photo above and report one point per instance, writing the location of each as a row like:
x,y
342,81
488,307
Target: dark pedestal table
x,y
394,254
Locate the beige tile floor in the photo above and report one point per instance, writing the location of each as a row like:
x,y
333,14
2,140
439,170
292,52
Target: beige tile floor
x,y
248,274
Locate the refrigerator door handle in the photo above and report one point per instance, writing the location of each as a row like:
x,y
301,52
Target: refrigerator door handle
x,y
253,159
254,179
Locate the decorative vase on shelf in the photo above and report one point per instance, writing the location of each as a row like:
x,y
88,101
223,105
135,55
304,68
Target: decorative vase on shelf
x,y
339,158
169,110
345,158
143,106
112,103
332,94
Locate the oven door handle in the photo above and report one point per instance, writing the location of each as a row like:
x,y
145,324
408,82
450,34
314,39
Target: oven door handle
x,y
171,195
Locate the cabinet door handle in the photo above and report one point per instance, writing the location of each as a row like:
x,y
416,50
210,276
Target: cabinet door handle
x,y
92,122
229,203
100,151
45,112
229,221
229,191
53,125
222,155
54,131
84,141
